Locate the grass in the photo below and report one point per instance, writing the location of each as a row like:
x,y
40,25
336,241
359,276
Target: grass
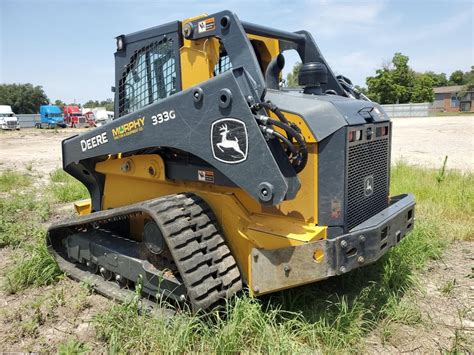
x,y
65,188
10,180
448,287
455,113
73,347
330,316
36,267
20,213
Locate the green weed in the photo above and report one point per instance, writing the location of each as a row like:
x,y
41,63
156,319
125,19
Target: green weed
x,y
441,173
10,180
20,214
73,347
448,287
65,188
35,267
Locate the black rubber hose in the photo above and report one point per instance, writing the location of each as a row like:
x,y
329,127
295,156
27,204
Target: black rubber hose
x,y
285,140
275,110
303,150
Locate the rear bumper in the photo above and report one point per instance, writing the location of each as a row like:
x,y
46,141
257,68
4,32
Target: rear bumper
x,y
278,269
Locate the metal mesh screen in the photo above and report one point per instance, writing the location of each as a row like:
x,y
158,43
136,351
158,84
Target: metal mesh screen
x,y
367,159
222,65
149,77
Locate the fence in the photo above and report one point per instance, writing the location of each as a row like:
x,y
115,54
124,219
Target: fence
x,y
407,110
28,120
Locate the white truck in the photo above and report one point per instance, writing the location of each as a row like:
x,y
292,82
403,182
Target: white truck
x,y
8,120
102,116
97,116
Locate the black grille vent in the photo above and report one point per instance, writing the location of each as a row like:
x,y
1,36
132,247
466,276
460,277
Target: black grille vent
x,y
367,161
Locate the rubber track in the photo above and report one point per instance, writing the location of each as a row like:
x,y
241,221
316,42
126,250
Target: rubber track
x,y
191,231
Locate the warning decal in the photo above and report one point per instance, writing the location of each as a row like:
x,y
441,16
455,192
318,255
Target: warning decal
x,y
206,25
206,176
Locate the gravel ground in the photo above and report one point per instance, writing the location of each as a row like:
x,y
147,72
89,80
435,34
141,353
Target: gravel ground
x,y
426,141
419,141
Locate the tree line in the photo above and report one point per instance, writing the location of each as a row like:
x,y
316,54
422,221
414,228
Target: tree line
x,y
397,82
394,82
27,98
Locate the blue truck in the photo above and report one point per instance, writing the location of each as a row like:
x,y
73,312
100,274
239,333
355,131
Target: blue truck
x,y
51,117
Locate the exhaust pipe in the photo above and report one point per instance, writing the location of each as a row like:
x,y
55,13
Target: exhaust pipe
x,y
272,74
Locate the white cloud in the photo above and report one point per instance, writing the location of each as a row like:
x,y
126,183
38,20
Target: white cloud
x,y
331,18
458,24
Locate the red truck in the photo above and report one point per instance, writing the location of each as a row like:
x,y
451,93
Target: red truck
x,y
73,116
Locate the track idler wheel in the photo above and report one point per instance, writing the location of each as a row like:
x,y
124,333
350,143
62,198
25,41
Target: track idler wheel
x,y
121,281
106,274
153,238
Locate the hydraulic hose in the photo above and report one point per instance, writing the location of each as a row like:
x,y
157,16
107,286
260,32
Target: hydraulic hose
x,y
291,146
298,156
302,150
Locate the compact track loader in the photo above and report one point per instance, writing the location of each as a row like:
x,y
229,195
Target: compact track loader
x,y
214,177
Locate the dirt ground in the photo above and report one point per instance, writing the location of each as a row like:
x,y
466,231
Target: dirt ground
x,y
33,148
419,140
445,298
426,141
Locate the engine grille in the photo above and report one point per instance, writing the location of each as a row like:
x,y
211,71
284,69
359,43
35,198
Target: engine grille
x,y
11,124
368,163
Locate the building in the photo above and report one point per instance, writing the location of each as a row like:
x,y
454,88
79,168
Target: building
x,y
453,98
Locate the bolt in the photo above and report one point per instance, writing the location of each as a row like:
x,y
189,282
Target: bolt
x,y
264,192
125,167
362,238
256,289
187,30
343,244
342,269
88,264
182,298
118,278
287,268
361,259
102,270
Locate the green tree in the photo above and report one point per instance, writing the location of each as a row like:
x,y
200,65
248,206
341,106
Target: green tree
x,y
381,88
423,89
91,104
469,78
438,79
403,77
59,103
457,78
396,82
108,104
23,98
292,78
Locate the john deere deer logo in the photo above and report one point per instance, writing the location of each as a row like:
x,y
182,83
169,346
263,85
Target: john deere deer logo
x,y
229,140
369,186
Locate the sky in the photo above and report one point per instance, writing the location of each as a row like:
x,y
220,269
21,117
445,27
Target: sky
x,y
67,46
